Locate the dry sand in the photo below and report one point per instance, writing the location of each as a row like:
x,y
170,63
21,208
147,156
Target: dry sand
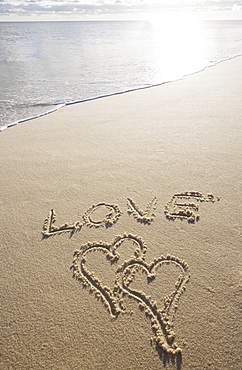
x,y
154,143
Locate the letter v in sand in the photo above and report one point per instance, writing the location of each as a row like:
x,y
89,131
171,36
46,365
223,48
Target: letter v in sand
x,y
146,216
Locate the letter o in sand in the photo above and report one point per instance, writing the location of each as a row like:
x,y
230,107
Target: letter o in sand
x,y
102,214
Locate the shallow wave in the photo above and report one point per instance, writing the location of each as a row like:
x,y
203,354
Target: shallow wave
x,y
60,105
56,107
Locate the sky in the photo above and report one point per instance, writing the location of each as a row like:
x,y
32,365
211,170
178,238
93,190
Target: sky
x,y
11,10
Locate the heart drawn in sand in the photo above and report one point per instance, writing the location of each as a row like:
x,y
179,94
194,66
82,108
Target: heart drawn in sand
x,y
110,296
123,284
161,317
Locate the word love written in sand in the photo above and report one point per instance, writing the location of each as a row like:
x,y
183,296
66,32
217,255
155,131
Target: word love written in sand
x,y
181,206
124,283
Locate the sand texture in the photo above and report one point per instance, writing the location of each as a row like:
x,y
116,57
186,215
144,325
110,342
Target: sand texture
x,y
121,231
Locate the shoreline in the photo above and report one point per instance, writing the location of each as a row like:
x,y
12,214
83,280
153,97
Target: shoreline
x,y
61,105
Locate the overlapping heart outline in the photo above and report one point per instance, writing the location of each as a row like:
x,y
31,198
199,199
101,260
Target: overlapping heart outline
x,y
161,317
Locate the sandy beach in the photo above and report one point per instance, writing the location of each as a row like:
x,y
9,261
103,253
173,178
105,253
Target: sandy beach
x,y
121,230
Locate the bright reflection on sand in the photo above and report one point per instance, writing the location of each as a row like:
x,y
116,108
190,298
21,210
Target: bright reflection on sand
x,y
179,45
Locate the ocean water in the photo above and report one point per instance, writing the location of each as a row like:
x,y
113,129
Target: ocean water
x,y
44,65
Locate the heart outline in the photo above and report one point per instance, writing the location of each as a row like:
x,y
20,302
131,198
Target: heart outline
x,y
112,298
160,318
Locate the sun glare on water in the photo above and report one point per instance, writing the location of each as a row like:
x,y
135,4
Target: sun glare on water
x,y
179,45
